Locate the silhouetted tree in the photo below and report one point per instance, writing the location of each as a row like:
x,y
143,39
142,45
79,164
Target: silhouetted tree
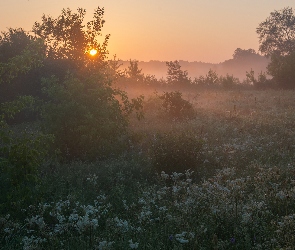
x,y
277,39
12,43
133,72
67,38
277,33
243,53
228,81
211,78
20,56
175,75
113,68
282,68
260,82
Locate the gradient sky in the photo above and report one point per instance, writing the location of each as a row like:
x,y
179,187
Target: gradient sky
x,y
165,30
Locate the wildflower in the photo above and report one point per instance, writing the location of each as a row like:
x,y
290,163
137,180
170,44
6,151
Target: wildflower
x,y
105,245
8,230
122,224
180,238
232,240
164,175
176,189
133,245
281,195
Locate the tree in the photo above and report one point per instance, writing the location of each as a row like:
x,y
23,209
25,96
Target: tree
x,y
67,38
88,118
277,33
211,78
175,75
133,72
12,43
277,39
30,57
113,68
260,82
282,68
228,81
176,107
20,55
243,53
22,150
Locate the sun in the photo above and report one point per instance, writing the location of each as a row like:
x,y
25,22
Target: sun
x,y
93,52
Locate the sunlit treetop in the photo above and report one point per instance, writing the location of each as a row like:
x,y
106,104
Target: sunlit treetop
x,y
67,37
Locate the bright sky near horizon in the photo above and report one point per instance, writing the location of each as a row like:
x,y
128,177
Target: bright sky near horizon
x,y
165,30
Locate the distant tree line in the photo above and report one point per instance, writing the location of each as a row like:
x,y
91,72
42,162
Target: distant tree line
x,y
277,41
178,79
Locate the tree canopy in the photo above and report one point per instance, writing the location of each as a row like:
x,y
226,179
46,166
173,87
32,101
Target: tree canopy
x,y
175,75
277,33
66,36
243,53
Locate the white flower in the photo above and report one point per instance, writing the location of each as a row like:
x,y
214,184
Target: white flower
x,y
176,189
181,240
105,245
281,195
133,245
122,224
164,175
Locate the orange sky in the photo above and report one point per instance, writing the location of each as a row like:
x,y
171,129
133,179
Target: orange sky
x,y
192,30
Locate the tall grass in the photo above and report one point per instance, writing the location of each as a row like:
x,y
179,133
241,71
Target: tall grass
x,y
237,192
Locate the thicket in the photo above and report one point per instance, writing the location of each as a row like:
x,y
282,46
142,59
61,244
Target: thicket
x,y
57,101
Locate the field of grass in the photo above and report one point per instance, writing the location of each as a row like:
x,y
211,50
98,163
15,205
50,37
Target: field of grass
x,y
224,179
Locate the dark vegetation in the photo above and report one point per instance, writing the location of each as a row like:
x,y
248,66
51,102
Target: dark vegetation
x,y
61,107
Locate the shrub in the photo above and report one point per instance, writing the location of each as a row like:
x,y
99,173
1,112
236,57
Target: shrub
x,y
87,116
176,107
22,151
175,151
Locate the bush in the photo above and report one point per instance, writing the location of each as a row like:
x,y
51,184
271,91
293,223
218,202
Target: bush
x,y
23,149
175,151
88,117
176,107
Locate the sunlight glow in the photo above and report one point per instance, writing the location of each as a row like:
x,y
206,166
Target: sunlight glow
x,y
93,52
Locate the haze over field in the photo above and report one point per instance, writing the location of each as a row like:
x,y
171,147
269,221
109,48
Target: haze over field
x,y
207,31
237,68
192,146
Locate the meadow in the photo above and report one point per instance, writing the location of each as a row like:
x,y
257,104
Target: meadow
x,y
223,178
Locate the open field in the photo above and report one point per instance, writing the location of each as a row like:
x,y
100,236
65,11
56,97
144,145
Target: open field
x,y
228,182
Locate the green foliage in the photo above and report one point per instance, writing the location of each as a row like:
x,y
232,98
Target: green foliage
x,y
242,54
277,39
22,151
246,203
13,42
210,80
175,75
260,82
176,107
228,81
175,151
282,68
133,72
88,117
113,68
276,33
67,38
30,57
